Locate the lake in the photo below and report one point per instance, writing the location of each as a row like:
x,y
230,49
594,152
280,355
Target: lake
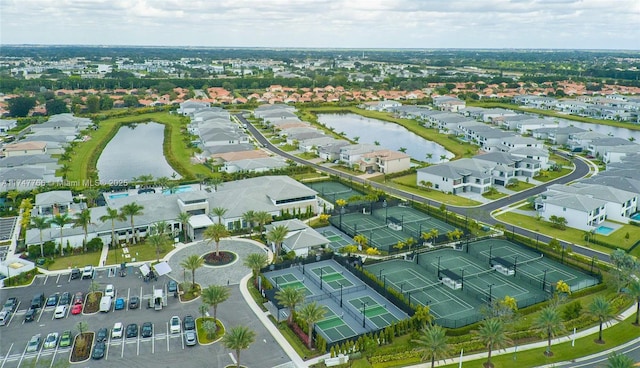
x,y
135,150
603,129
389,135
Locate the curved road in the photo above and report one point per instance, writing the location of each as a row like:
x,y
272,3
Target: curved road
x,y
481,213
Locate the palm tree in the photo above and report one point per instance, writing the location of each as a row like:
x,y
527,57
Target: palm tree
x,y
216,181
158,241
40,223
633,289
131,210
443,157
432,343
214,233
249,217
219,212
290,297
192,263
60,221
601,309
256,261
619,361
83,220
112,215
550,322
276,235
429,156
312,313
183,217
493,336
262,218
214,295
238,338
91,195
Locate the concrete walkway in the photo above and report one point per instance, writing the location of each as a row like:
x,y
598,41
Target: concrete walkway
x,y
104,254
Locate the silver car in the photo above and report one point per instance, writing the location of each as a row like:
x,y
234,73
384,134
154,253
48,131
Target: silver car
x,y
190,338
34,344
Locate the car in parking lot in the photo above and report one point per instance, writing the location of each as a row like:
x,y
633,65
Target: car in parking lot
x,y
190,338
102,334
11,304
134,302
132,330
33,344
119,304
37,301
189,323
5,316
78,298
65,298
146,330
116,331
87,272
76,309
61,312
172,286
51,340
52,300
30,315
98,350
109,291
65,339
174,324
75,274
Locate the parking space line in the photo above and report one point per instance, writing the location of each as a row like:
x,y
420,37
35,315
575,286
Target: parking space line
x,y
138,349
6,356
182,339
106,353
128,298
39,352
167,336
69,280
40,315
153,340
53,358
22,356
123,344
58,279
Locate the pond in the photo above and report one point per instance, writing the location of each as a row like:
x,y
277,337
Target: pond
x,y
389,135
135,150
603,129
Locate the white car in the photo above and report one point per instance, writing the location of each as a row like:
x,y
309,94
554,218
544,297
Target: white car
x,y
174,324
109,291
116,332
51,341
87,272
61,312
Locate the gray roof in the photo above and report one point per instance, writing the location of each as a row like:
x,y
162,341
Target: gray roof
x,y
575,201
626,184
224,148
24,173
498,158
250,164
611,142
15,161
53,197
529,151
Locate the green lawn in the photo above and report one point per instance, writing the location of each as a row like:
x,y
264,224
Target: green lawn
x,y
408,183
494,196
141,252
76,260
202,335
547,176
522,185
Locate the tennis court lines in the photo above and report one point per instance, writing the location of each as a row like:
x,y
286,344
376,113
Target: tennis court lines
x,y
289,280
456,264
336,240
331,277
334,327
373,311
378,232
412,219
532,266
501,286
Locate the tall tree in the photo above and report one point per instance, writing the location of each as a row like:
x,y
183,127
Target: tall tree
x,y
158,242
277,234
192,263
93,104
56,106
113,215
550,323
219,212
493,335
20,106
633,289
238,338
290,297
262,218
215,295
249,217
601,309
91,195
183,217
312,313
40,223
256,261
83,220
214,233
616,360
432,342
61,221
131,210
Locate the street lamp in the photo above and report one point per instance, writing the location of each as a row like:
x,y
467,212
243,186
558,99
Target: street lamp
x,y
401,288
490,289
562,259
341,213
340,294
364,312
384,204
320,278
380,273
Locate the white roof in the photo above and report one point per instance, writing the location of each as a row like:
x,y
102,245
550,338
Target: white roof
x,y
200,221
162,268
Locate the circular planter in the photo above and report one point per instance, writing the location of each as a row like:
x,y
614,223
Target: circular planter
x,y
224,258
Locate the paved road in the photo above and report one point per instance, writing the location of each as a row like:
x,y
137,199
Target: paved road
x,y
481,213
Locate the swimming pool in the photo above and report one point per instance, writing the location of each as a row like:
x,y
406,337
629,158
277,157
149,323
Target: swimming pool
x,y
636,216
604,230
180,189
119,195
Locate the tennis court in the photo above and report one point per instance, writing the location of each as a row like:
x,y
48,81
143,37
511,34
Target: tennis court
x,y
413,221
334,327
373,311
333,190
331,277
333,235
377,233
289,280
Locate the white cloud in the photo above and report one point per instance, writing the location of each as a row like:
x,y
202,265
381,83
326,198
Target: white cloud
x,y
325,23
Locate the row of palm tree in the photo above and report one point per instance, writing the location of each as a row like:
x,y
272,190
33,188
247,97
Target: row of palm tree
x,y
311,313
81,219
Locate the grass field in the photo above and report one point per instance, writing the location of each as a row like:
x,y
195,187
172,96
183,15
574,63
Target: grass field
x,y
551,175
76,260
141,252
408,183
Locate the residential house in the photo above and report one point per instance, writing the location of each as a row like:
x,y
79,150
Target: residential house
x,y
25,148
254,165
598,147
6,125
556,135
53,203
190,106
448,103
25,178
301,238
384,161
580,211
42,160
350,154
460,176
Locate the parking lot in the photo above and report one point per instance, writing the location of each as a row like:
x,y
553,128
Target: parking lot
x,y
162,349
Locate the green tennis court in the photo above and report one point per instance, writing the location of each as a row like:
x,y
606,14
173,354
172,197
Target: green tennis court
x,y
331,277
290,280
337,241
334,327
333,190
376,313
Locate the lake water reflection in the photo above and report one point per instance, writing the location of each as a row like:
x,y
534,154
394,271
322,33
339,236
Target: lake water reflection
x,y
135,150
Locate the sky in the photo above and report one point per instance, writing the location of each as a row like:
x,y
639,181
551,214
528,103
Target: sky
x,y
548,24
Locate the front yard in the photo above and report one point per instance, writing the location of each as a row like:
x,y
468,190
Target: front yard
x,y
408,183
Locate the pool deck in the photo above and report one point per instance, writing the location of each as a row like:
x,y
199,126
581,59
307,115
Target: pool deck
x,y
608,224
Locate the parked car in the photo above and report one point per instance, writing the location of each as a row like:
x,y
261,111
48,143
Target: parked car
x,y
119,304
116,332
78,298
189,323
172,286
132,330
110,291
65,339
33,344
5,316
190,338
75,273
61,312
51,341
134,302
87,272
65,298
52,300
146,329
11,304
174,324
30,315
98,350
37,301
102,334
76,309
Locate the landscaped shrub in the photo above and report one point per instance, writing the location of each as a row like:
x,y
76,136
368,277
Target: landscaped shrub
x,y
94,244
572,310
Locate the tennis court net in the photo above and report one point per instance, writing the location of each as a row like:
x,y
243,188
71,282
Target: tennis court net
x,y
323,193
418,226
354,229
480,295
529,278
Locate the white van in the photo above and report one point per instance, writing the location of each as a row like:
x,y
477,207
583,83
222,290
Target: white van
x,y
105,303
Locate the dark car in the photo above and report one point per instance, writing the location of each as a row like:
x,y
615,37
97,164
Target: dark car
x,y
75,274
11,304
52,300
147,329
102,335
172,286
134,302
37,301
98,350
132,330
189,323
30,315
65,298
